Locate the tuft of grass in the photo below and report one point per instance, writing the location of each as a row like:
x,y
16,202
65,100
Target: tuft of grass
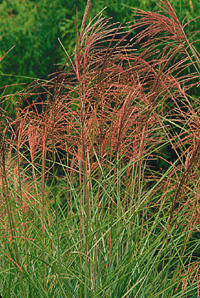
x,y
86,210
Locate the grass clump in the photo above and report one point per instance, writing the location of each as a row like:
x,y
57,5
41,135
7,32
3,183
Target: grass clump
x,y
99,169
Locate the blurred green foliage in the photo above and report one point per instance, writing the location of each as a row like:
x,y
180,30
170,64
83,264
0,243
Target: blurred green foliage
x,y
34,26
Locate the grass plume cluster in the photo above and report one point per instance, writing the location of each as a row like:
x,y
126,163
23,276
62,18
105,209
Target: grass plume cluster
x,y
86,210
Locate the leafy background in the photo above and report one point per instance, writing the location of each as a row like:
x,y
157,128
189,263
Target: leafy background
x,y
33,28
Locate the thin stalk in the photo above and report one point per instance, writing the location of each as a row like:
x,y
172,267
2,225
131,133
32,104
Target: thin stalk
x,y
21,203
55,196
97,238
111,225
87,207
43,206
9,212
